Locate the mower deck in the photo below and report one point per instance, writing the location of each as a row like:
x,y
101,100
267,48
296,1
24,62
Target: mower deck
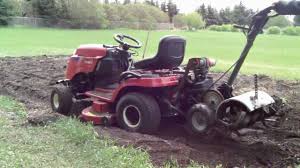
x,y
103,118
99,113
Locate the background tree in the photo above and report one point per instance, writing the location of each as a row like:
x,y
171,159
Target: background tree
x,y
212,17
63,10
45,8
179,21
106,1
126,2
48,9
194,21
6,10
202,11
157,4
172,10
89,14
163,7
150,2
297,20
225,16
241,15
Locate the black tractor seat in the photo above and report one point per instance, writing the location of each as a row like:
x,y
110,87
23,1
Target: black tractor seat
x,y
170,55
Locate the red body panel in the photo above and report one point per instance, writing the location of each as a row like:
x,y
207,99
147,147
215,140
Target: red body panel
x,y
84,60
151,82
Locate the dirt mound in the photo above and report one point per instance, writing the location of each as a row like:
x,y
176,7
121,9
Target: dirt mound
x,y
30,81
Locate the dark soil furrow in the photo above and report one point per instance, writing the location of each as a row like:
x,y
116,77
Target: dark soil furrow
x,y
30,80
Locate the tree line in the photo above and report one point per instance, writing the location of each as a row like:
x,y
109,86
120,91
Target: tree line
x,y
239,15
92,14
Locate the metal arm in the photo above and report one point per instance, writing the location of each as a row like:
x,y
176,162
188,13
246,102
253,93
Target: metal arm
x,y
258,22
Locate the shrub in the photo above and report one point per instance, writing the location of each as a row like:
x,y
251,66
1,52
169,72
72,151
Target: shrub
x,y
274,30
226,28
291,31
233,29
194,21
280,21
223,28
213,27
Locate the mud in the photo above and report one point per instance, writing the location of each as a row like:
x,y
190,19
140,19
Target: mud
x,y
30,80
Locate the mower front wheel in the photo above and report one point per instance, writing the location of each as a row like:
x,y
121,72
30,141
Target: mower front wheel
x,y
61,100
138,112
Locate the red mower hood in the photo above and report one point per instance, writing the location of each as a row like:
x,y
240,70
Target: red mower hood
x,y
91,50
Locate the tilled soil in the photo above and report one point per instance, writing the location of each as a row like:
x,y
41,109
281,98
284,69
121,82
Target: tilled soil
x,y
30,80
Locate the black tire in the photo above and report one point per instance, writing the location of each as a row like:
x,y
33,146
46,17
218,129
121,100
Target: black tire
x,y
78,107
61,100
138,112
200,118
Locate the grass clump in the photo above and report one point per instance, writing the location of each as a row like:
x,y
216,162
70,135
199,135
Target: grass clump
x,y
9,105
66,143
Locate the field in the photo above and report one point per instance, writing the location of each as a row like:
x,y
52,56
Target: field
x,y
273,55
30,80
32,136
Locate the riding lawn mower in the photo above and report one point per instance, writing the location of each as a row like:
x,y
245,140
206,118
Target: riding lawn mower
x,y
105,86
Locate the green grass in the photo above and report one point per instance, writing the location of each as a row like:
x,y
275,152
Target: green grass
x,y
273,55
66,143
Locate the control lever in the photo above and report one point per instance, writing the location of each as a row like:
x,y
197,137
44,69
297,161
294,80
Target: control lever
x,y
287,8
241,27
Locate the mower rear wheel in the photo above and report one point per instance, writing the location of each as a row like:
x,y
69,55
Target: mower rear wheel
x,y
61,100
199,119
138,112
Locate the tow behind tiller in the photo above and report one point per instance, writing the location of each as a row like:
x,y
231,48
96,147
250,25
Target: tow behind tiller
x,y
104,85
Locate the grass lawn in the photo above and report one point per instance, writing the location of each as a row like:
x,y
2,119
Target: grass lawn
x,y
273,55
67,143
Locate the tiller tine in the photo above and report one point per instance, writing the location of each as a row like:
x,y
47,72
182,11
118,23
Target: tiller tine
x,y
245,110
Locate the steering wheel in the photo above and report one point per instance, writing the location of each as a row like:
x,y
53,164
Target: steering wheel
x,y
120,38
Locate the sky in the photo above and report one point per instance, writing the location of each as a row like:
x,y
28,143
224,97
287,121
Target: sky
x,y
187,6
